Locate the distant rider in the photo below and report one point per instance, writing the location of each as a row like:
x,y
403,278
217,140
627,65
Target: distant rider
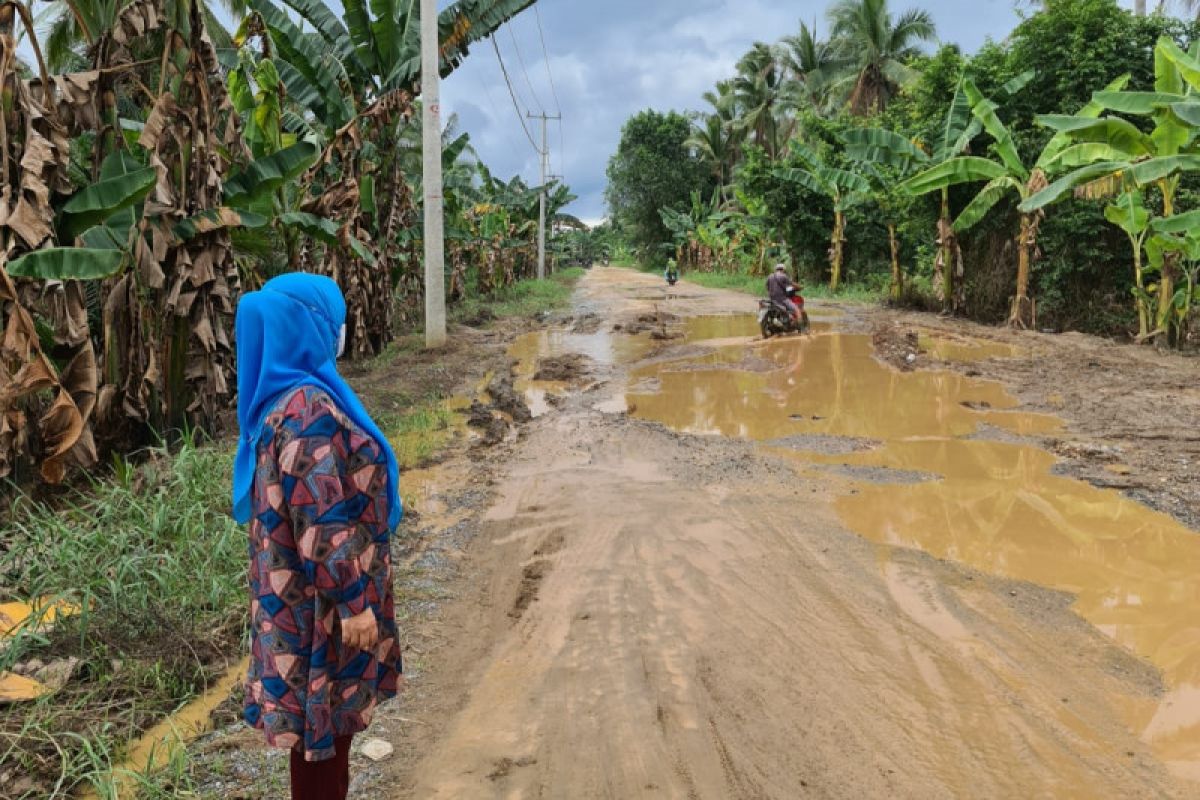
x,y
778,286
671,273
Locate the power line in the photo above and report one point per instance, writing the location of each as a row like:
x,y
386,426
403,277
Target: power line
x,y
521,61
562,148
513,95
546,56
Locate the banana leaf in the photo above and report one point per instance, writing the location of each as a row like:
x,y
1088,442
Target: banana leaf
x,y
94,204
987,198
215,219
1156,169
67,264
265,175
884,147
966,169
985,111
325,231
1186,66
1139,103
1061,141
1064,185
1129,214
1180,223
332,30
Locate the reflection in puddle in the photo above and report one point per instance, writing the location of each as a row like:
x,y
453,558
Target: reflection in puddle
x,y
721,326
997,506
965,350
829,384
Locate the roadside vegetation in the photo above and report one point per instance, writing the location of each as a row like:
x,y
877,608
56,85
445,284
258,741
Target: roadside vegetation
x,y
156,568
1049,180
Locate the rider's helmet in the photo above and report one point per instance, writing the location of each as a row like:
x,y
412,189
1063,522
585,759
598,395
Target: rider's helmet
x,y
780,268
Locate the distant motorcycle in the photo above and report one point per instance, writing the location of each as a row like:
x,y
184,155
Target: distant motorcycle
x,y
775,319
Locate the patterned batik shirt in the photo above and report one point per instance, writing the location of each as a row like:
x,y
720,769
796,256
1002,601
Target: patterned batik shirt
x,y
319,553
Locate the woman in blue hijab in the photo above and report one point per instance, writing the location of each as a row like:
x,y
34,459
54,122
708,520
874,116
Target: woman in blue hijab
x,y
318,484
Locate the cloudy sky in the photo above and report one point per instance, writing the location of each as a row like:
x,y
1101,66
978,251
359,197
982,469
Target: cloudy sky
x,y
613,58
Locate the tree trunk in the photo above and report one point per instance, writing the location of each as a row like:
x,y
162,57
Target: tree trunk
x,y
1023,314
946,259
1166,281
1139,7
837,250
897,275
1143,310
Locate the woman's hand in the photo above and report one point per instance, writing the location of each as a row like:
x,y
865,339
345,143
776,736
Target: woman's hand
x,y
361,631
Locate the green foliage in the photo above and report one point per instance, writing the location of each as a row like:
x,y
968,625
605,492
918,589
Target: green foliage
x,y
268,174
96,203
653,169
66,264
154,531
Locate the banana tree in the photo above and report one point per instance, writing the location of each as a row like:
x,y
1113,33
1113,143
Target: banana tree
x,y
878,149
951,139
1111,155
1129,213
1005,174
844,189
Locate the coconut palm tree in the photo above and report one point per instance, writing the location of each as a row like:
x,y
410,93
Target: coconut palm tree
x,y
758,87
809,62
874,50
717,144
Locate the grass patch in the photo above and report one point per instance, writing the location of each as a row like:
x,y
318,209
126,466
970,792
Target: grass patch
x,y
522,299
159,570
756,285
421,432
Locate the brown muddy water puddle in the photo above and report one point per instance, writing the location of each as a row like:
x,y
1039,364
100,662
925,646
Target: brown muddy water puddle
x,y
992,505
602,348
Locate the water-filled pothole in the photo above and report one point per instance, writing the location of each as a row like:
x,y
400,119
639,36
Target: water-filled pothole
x,y
995,505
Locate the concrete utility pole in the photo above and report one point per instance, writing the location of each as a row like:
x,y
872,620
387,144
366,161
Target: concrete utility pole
x,y
545,153
431,125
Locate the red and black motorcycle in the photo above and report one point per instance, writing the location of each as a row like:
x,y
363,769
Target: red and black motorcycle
x,y
776,320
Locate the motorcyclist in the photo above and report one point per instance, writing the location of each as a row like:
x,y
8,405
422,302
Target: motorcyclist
x,y
672,272
778,286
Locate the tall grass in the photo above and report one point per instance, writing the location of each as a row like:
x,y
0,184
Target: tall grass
x,y
522,299
157,568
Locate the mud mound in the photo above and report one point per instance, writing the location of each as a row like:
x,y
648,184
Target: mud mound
x,y
564,368
507,408
897,346
588,323
505,398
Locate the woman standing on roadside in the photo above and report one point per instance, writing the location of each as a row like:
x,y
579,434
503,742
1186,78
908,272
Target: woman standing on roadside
x,y
319,485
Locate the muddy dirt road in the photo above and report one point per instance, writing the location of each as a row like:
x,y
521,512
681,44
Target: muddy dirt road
x,y
713,567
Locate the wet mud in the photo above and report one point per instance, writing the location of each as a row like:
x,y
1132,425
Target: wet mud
x,y
776,569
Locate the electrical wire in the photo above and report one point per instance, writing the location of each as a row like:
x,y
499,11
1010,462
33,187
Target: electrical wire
x,y
521,61
546,56
512,93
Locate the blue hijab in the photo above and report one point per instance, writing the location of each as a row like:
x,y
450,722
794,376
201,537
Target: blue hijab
x,y
287,337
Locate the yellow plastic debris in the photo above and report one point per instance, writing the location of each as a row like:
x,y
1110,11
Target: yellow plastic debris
x,y
19,689
15,614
